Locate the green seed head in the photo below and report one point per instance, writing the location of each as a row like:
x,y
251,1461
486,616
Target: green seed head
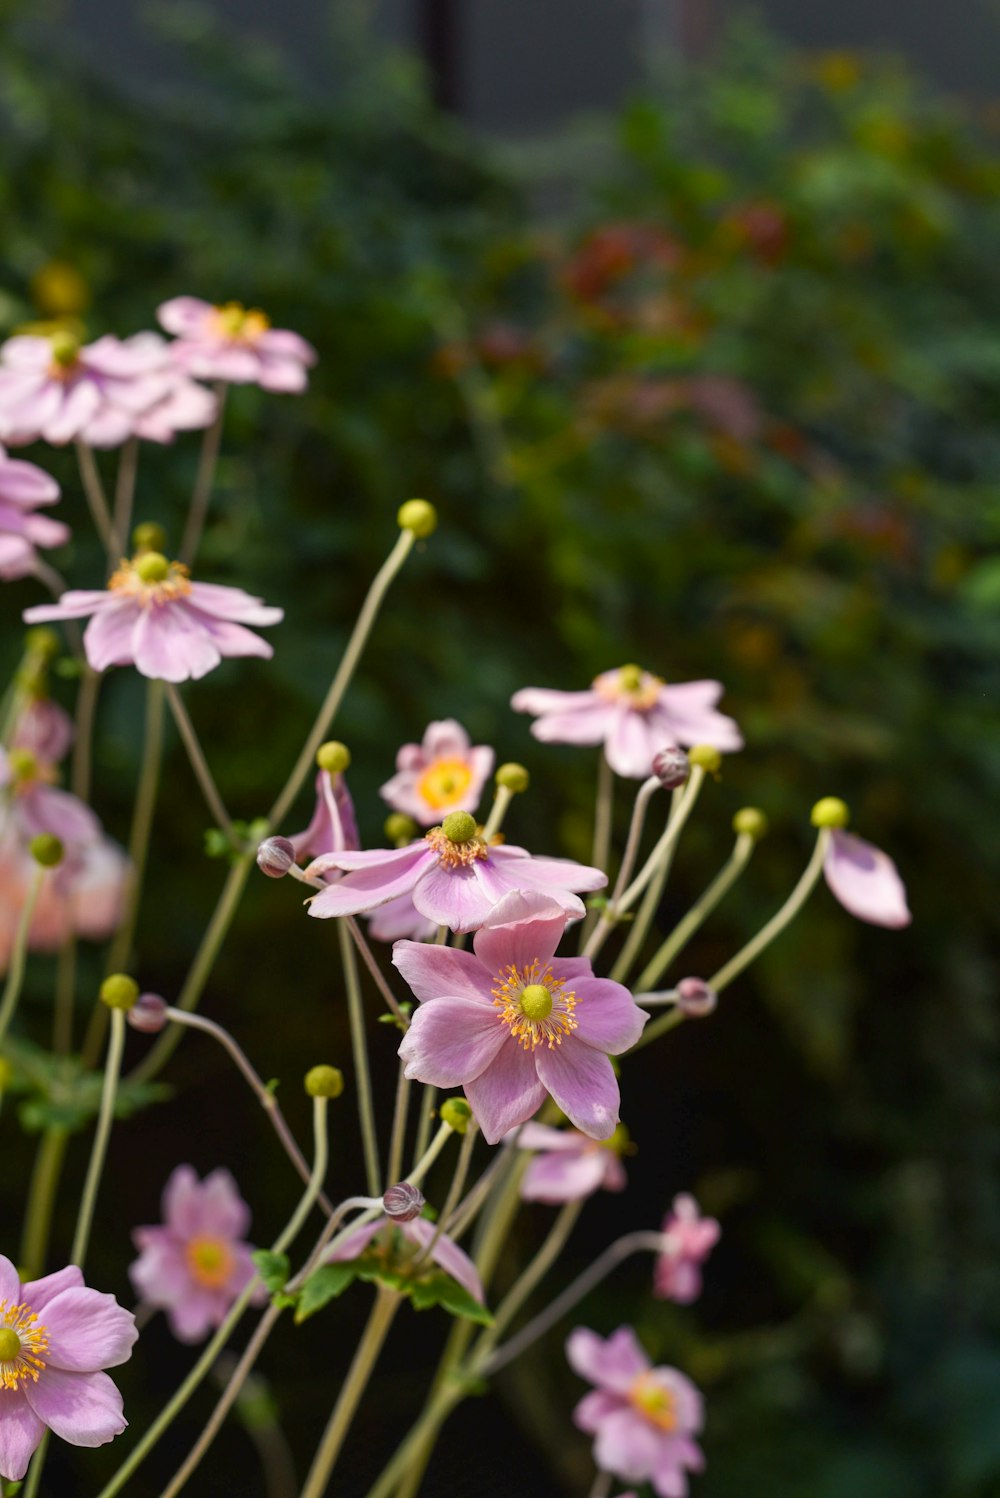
x,y
456,1112
750,821
513,777
333,756
418,516
10,1344
830,812
152,567
630,677
400,829
47,850
149,537
324,1081
459,827
536,1001
119,991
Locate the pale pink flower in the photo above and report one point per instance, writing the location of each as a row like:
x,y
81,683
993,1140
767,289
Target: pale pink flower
x,y
56,1338
235,344
633,714
568,1167
334,827
510,1021
445,773
688,1240
101,393
419,1233
197,1264
865,880
23,487
152,616
643,1418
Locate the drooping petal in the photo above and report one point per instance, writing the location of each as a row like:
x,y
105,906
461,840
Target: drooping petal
x,y
171,645
451,1041
612,1363
557,1177
433,972
88,1330
607,1017
524,926
452,1259
82,1408
507,1093
865,881
233,605
20,1432
366,887
452,897
583,1083
232,640
354,1245
109,635
76,604
631,744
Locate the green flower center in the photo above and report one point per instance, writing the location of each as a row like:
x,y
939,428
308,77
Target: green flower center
x,y
536,1001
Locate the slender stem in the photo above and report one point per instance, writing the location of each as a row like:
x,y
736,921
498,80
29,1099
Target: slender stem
x,y
37,1463
699,912
454,1190
19,953
62,1017
675,825
605,925
341,681
603,814
97,500
501,802
142,823
362,1073
466,1211
207,460
368,957
428,1100
778,921
387,1302
533,1273
105,1118
86,710
601,1487
199,765
41,1200
681,807
128,466
400,1114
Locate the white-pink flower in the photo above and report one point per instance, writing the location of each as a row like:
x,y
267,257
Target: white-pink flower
x,y
688,1240
445,773
23,488
568,1166
634,715
235,344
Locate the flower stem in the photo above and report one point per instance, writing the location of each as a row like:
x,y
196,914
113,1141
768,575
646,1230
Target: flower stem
x,y
128,466
400,1114
531,1275
105,1118
604,926
454,1191
199,765
654,873
600,1488
428,1098
370,963
41,1200
782,918
204,478
362,1072
603,814
501,803
19,953
699,912
90,477
86,709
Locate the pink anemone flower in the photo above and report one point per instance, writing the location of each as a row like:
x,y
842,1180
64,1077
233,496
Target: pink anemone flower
x,y
633,714
568,1167
445,773
235,344
688,1240
865,880
420,1234
152,616
510,1021
23,487
196,1264
453,875
100,393
56,1338
643,1419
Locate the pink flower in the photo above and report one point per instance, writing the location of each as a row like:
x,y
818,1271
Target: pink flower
x,y
153,617
643,1418
333,828
418,1232
568,1167
633,714
689,1239
56,1337
236,344
444,773
511,1022
23,487
197,1264
100,393
454,880
865,880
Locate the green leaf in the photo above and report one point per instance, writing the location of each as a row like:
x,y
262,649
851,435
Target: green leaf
x,y
272,1268
442,1290
324,1285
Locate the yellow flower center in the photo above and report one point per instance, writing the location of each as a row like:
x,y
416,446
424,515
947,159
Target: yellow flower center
x,y
22,1342
657,1404
65,353
455,855
243,325
444,782
641,687
151,579
532,1003
210,1261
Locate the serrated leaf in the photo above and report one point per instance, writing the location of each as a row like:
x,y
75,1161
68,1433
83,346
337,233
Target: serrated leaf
x,y
324,1285
272,1268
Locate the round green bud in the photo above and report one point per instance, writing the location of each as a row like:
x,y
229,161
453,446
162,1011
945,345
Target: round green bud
x,y
706,758
750,821
46,849
149,537
10,1344
630,677
456,1112
6,1073
333,756
23,763
152,566
460,827
513,777
400,829
324,1081
830,812
65,348
119,991
536,1001
42,641
418,516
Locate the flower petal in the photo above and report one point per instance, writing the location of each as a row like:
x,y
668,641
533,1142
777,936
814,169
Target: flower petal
x,y
20,1432
452,1259
38,1293
433,972
865,881
82,1408
595,1407
451,1041
10,1284
453,897
607,1017
583,1083
523,926
88,1330
627,1445
612,1363
507,1093
557,1178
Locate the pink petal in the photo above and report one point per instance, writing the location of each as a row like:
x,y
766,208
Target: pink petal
x,y
631,745
283,376
453,897
521,927
433,972
184,315
445,739
607,1016
587,725
505,1094
88,1330
10,1284
539,1136
450,1042
539,700
82,1408
160,1274
686,714
81,403
627,1445
38,1293
452,1259
76,604
233,605
557,1178
195,1315
365,888
354,1245
181,1203
232,640
583,1083
594,1408
865,881
25,484
108,637
286,345
613,1363
224,1213
398,919
20,1432
557,874
170,644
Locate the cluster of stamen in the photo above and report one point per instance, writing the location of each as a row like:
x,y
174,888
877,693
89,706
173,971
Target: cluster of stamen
x,y
210,1261
444,782
150,578
532,1002
233,320
655,1403
22,1343
453,855
640,687
28,770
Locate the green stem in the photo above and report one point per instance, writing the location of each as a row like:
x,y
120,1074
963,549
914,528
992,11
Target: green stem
x,y
774,927
199,765
397,1140
362,1073
699,912
606,924
37,1463
428,1100
603,815
654,875
142,824
90,477
41,1200
86,710
128,466
501,803
62,1018
454,1191
105,1118
19,953
204,478
532,1275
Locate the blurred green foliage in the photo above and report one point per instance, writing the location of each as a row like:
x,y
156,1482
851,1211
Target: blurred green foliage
x,y
734,412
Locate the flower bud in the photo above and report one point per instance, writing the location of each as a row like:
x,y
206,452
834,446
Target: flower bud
x,y
333,757
830,812
46,849
403,1202
460,827
750,821
400,829
671,767
6,1073
418,516
324,1081
148,1014
513,777
275,857
42,641
695,999
119,991
706,757
456,1112
149,537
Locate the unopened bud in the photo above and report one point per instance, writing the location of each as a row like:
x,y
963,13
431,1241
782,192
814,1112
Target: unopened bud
x,y
400,829
456,1112
750,821
830,812
513,777
42,641
706,757
119,991
46,849
275,857
334,757
403,1203
149,537
148,1014
695,998
671,767
324,1081
460,827
418,516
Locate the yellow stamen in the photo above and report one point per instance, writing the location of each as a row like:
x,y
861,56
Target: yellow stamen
x,y
641,687
657,1404
150,579
532,1002
244,325
22,1343
445,782
211,1262
455,855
